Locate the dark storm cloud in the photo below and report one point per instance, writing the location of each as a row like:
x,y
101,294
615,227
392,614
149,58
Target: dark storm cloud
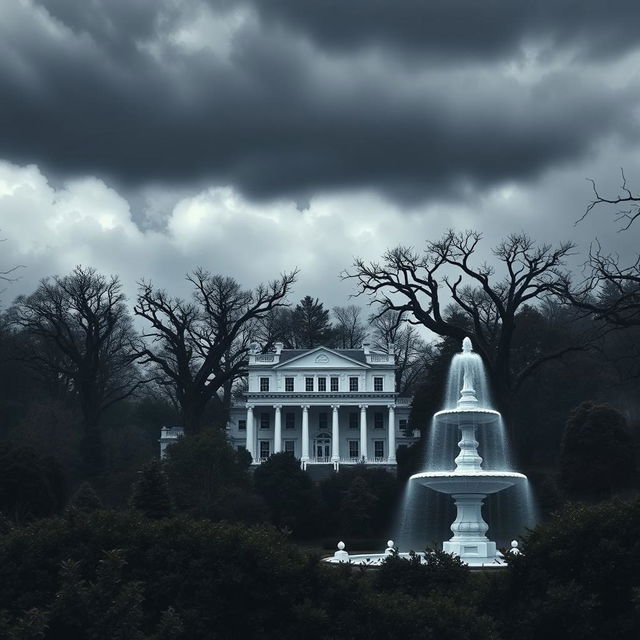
x,y
104,88
458,28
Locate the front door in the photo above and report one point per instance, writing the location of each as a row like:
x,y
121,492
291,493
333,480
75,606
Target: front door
x,y
322,447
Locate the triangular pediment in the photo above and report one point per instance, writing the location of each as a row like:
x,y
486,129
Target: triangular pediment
x,y
322,358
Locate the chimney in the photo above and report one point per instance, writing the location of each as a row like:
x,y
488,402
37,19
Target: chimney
x,y
366,347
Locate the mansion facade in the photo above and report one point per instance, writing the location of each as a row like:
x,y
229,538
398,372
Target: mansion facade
x,y
325,406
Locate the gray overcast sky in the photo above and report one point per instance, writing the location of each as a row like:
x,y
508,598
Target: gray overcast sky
x,y
147,137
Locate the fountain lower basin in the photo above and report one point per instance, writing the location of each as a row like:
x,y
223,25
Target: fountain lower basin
x,y
467,414
468,482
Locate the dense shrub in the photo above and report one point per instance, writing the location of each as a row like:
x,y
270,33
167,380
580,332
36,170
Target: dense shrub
x,y
346,517
150,493
597,455
437,572
124,576
208,478
579,576
85,500
30,485
289,494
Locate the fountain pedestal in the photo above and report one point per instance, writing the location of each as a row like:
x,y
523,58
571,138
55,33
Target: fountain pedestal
x,y
469,529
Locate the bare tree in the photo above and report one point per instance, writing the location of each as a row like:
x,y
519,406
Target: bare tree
x,y
81,334
609,292
427,287
275,326
348,327
199,347
412,354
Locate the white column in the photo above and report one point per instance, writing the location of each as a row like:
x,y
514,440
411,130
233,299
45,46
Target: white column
x,y
251,438
335,435
363,432
305,433
392,433
277,429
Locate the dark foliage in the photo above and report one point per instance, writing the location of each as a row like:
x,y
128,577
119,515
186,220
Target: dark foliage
x,y
150,493
438,572
578,577
310,323
209,479
289,494
379,489
356,508
85,499
110,575
597,456
31,486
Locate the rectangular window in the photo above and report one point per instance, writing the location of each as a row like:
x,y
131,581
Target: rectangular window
x,y
290,446
403,425
334,384
289,420
288,384
265,420
264,384
322,421
242,425
322,384
353,384
378,420
378,449
308,384
264,449
354,449
353,420
377,384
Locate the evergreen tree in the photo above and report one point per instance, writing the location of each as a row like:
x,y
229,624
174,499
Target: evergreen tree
x,y
150,494
311,324
356,508
85,499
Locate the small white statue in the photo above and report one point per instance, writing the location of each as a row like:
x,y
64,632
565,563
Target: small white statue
x,y
341,555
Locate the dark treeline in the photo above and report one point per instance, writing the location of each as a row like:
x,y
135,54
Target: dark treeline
x,y
83,395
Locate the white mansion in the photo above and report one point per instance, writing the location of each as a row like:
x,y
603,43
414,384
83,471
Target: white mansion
x,y
325,406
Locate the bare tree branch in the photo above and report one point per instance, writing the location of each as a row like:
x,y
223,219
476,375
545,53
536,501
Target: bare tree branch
x,y
625,216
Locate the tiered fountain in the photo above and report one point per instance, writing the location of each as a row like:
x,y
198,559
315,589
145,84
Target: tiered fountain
x,y
467,411
469,484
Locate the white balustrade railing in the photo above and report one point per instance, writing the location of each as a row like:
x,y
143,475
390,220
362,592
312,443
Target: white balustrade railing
x,y
265,357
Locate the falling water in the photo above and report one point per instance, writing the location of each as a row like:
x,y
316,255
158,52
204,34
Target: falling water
x,y
472,364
